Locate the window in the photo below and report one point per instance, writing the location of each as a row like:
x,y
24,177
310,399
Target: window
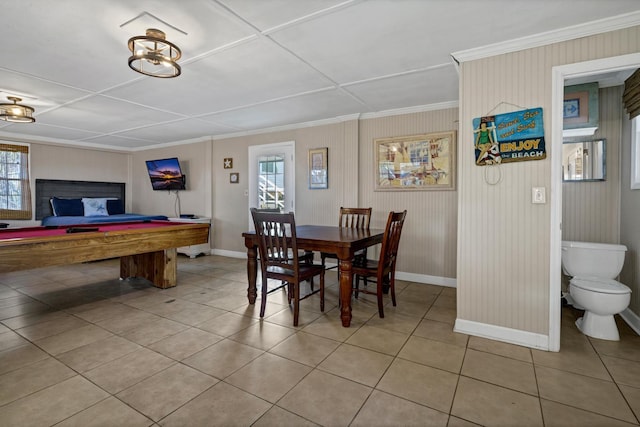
x,y
271,177
271,193
15,191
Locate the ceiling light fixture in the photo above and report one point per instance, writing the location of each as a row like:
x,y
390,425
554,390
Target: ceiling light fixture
x,y
15,112
153,55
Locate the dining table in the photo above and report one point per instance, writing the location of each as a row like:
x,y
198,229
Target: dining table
x,y
341,241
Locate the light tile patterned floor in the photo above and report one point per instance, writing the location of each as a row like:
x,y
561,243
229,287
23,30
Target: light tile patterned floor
x,y
78,347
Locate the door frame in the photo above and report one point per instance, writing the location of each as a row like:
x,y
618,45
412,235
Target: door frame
x,y
559,74
288,148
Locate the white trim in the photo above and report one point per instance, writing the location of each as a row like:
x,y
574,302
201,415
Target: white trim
x,y
569,33
500,333
410,277
449,282
635,154
410,110
559,74
230,254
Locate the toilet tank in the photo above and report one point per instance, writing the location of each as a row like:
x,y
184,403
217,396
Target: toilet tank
x,y
585,259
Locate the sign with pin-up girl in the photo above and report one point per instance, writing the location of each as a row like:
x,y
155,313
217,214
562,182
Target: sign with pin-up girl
x,y
510,137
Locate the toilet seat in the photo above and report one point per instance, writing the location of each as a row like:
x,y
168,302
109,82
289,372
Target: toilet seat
x,y
600,285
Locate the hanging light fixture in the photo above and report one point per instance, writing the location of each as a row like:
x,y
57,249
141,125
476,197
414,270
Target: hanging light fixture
x,y
153,55
15,112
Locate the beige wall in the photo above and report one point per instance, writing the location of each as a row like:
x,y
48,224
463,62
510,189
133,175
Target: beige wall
x,y
503,268
428,243
195,162
48,161
428,246
630,223
591,210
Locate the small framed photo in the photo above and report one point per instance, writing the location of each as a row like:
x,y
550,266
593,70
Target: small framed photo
x,y
228,163
234,177
318,168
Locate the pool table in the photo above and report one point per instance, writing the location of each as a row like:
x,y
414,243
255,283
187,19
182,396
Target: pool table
x,y
146,248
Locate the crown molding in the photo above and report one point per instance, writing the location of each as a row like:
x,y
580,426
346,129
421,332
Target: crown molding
x,y
569,33
410,110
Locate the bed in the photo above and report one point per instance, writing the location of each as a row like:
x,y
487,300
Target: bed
x,y
64,202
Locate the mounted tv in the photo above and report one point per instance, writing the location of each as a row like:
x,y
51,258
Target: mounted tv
x,y
165,174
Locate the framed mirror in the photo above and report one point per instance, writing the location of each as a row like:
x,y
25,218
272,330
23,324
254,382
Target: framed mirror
x,y
584,160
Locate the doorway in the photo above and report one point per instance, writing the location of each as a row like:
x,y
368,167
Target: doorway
x,y
559,75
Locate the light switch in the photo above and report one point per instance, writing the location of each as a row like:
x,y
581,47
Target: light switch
x,y
538,195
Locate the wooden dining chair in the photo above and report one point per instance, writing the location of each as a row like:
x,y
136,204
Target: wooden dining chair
x,y
351,218
383,270
279,260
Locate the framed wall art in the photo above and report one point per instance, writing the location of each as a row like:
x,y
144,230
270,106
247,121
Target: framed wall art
x,y
234,177
417,162
318,168
580,106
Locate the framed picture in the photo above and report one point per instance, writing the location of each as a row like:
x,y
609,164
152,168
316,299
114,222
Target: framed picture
x,y
417,162
234,177
318,166
228,163
580,106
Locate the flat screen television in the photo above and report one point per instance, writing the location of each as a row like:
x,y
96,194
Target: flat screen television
x,y
165,174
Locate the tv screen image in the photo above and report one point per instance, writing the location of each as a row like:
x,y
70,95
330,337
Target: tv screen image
x,y
165,174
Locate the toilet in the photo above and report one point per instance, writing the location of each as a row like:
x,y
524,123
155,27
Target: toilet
x,y
593,268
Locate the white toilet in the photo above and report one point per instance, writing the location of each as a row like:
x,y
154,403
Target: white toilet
x,y
593,268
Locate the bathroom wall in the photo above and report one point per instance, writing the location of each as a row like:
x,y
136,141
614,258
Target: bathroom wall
x,y
591,209
630,227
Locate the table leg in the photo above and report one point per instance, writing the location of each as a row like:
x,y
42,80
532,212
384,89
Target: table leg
x,y
346,280
252,273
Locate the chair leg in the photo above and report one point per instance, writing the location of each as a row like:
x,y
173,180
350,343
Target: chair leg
x,y
379,295
289,292
296,303
322,292
263,297
357,286
392,288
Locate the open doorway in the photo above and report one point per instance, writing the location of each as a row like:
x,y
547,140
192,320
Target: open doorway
x,y
559,75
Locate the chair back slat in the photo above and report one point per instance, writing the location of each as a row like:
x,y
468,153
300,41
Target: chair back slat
x,y
391,240
355,218
276,239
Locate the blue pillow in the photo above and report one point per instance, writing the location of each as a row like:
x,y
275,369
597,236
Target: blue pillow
x,y
115,207
67,207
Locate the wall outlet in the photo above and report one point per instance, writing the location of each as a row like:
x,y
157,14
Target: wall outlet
x,y
538,195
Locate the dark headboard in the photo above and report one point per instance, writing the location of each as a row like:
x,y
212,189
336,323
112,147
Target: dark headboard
x,y
48,188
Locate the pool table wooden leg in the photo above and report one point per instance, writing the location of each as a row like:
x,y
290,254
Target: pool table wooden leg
x,y
159,267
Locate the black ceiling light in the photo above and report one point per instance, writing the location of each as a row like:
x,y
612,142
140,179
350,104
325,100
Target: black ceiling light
x,y
153,55
15,112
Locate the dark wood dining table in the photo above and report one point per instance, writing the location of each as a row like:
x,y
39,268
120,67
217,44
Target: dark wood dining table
x,y
343,242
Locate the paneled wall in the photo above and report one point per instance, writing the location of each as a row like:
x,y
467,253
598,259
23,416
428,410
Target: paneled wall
x,y
53,161
428,246
428,243
195,162
503,239
230,204
591,210
630,223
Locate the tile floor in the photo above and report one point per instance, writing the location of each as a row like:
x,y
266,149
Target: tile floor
x,y
80,348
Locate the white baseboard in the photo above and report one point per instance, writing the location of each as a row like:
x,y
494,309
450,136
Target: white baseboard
x,y
632,319
230,254
400,275
500,333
